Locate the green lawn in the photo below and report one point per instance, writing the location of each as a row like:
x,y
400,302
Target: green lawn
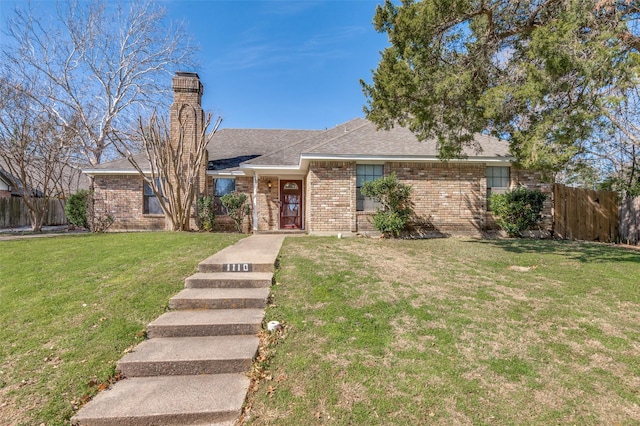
x,y
452,331
71,305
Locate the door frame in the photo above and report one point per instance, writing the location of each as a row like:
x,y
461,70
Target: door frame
x,y
300,217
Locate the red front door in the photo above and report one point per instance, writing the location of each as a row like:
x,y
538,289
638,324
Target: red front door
x,y
290,204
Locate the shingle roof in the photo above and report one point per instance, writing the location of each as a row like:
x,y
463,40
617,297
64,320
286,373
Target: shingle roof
x,y
121,164
364,138
359,137
230,143
230,147
71,179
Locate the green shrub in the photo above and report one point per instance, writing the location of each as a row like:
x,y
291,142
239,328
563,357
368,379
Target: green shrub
x,y
206,213
76,208
237,207
517,210
392,216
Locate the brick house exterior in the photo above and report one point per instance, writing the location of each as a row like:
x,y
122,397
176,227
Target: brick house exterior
x,y
309,179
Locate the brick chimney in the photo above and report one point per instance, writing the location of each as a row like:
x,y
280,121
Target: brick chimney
x,y
187,110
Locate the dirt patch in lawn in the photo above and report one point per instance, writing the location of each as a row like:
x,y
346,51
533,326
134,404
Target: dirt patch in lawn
x,y
455,332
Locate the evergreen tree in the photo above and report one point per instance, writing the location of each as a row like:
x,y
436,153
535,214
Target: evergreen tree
x,y
543,74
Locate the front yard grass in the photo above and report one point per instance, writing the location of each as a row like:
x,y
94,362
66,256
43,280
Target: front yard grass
x,y
452,331
70,306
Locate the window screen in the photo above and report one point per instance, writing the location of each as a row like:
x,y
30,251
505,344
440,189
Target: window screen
x,y
497,177
366,173
151,203
222,187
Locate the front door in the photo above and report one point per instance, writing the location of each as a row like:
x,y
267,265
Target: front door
x,y
290,204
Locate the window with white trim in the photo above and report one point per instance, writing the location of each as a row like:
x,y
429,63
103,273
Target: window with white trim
x,y
498,181
222,186
366,173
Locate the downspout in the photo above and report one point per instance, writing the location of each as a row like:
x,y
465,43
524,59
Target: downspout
x,y
255,202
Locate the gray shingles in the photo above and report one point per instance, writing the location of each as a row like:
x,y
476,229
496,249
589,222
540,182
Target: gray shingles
x,y
365,139
358,137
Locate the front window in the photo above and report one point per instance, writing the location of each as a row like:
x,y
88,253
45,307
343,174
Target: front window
x,y
498,181
151,202
366,173
222,187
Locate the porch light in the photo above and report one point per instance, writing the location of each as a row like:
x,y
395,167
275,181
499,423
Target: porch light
x,y
269,185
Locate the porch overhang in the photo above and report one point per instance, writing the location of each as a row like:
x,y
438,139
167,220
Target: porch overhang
x,y
260,170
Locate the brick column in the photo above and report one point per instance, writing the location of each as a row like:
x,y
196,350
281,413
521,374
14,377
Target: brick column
x,y
187,118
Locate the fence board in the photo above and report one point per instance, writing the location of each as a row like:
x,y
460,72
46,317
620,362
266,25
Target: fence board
x,y
630,220
14,213
583,214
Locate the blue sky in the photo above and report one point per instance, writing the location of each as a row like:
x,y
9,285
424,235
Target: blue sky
x,y
283,64
279,64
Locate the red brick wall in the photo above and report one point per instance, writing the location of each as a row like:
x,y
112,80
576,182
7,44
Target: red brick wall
x,y
122,198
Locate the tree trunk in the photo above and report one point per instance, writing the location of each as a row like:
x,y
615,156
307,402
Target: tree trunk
x,y
38,216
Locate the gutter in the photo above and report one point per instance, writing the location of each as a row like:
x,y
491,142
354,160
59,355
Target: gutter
x,y
305,158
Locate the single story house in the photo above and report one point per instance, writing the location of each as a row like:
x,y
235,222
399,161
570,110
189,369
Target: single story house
x,y
309,180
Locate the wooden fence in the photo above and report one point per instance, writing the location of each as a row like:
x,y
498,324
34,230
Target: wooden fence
x,y
14,213
630,220
582,214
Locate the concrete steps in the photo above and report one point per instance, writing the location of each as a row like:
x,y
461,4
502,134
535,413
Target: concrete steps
x,y
229,280
192,369
254,254
208,267
220,298
190,356
206,322
167,400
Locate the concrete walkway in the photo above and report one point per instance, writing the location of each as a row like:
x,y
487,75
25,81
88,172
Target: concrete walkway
x,y
193,368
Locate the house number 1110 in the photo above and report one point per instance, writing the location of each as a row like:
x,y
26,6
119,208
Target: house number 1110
x,y
236,267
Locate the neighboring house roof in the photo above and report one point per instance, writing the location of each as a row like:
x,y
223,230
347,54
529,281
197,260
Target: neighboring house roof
x,y
5,182
16,186
71,180
233,151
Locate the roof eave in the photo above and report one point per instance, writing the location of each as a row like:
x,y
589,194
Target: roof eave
x,y
261,169
428,158
226,173
105,172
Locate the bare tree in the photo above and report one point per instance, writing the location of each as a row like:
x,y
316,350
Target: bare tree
x,y
105,62
169,167
611,157
34,151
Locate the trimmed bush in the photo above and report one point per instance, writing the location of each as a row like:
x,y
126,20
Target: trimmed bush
x,y
518,210
237,207
206,213
392,216
76,208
